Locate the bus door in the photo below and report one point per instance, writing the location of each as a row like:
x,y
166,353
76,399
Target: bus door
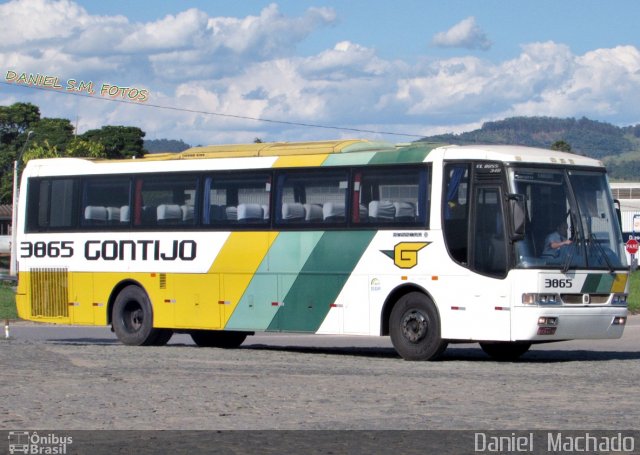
x,y
473,225
489,306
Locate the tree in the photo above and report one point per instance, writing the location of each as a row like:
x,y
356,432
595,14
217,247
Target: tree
x,y
16,119
562,146
82,148
44,150
165,145
15,122
57,131
118,141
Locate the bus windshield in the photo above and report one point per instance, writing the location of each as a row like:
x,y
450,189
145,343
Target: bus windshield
x,y
570,220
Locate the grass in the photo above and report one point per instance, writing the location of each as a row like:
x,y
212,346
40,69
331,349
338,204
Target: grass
x,y
8,300
634,292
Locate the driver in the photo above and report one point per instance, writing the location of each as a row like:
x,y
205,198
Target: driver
x,y
555,241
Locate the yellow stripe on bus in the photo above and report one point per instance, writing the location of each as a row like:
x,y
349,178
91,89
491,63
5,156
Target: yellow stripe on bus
x,y
619,283
300,161
237,262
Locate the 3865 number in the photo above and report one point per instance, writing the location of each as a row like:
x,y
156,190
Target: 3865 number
x,y
53,249
558,283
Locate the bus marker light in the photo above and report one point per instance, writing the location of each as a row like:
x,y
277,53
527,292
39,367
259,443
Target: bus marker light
x,y
434,278
404,278
619,320
502,308
224,302
460,308
547,330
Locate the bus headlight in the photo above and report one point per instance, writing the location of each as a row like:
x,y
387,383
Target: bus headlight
x,y
619,299
540,299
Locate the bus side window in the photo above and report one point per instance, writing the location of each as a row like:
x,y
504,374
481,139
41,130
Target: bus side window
x,y
312,198
392,196
165,201
51,204
237,199
455,210
105,201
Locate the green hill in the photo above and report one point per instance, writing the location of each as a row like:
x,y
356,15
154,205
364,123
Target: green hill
x,y
618,147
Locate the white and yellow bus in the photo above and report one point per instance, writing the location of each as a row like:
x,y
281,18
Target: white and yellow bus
x,y
428,244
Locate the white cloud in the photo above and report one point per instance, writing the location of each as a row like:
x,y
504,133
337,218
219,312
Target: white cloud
x,y
269,35
465,34
26,22
182,31
345,60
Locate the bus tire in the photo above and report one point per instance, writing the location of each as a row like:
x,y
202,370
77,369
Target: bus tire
x,y
414,326
217,338
505,351
132,318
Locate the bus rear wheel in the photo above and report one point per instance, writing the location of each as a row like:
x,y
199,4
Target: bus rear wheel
x,y
132,319
414,326
505,351
218,338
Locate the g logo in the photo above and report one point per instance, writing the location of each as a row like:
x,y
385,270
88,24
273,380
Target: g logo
x,y
405,254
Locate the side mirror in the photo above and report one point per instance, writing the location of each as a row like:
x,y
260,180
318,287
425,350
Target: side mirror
x,y
616,204
517,212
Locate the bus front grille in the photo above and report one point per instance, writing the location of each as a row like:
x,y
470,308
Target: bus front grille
x,y
49,292
579,299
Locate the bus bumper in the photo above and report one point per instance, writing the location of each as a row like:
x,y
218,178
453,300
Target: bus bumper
x,y
562,323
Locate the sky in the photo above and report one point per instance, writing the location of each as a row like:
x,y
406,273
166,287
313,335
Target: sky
x,y
218,72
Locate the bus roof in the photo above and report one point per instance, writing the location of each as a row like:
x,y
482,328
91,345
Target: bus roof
x,y
516,154
276,149
347,151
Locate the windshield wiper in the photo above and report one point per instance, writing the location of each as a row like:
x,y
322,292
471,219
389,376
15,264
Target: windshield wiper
x,y
574,245
569,257
603,253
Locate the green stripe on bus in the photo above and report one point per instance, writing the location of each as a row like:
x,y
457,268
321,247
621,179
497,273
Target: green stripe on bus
x,y
597,283
273,279
348,159
409,154
320,281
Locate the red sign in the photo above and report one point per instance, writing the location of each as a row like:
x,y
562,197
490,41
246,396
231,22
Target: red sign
x,y
632,246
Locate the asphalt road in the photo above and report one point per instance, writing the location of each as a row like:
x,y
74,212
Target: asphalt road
x,y
75,378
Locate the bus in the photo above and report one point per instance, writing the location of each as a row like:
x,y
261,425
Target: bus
x,y
426,243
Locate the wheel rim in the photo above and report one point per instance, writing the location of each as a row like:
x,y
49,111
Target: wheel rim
x,y
133,316
415,326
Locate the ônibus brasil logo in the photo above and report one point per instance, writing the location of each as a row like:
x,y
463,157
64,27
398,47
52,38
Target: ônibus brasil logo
x,y
33,443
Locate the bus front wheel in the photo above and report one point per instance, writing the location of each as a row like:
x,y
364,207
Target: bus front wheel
x,y
414,326
218,338
132,319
